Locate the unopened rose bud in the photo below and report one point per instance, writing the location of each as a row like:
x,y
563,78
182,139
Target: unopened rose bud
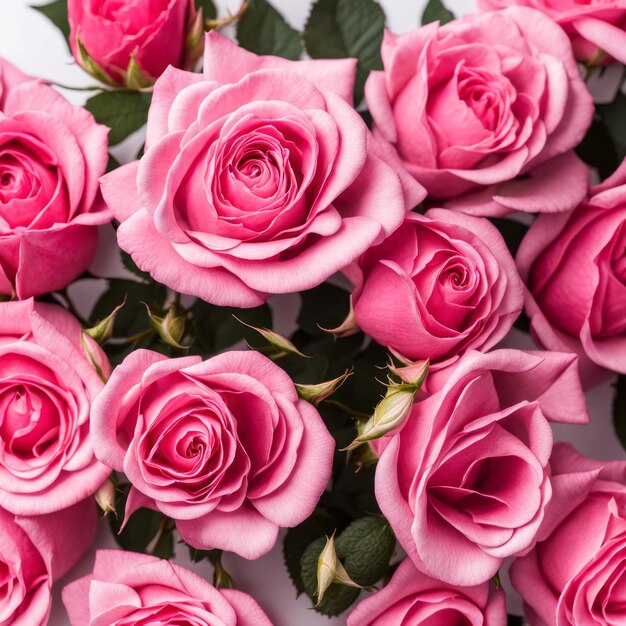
x,y
279,346
221,578
318,393
410,372
90,65
105,497
347,328
170,328
103,330
90,348
330,570
135,77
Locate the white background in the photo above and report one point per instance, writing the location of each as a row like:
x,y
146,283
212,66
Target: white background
x,y
29,41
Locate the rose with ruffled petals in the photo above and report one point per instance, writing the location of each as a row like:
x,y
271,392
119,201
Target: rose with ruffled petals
x,y
258,177
442,284
47,385
51,155
411,597
576,574
224,446
491,104
466,482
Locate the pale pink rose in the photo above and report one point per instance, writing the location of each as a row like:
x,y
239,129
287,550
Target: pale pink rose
x,y
574,266
51,155
596,28
442,284
47,385
150,33
411,597
576,575
259,177
131,589
466,481
491,104
34,553
223,446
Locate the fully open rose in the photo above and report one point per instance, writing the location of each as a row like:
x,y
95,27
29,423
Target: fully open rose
x,y
411,597
475,104
577,575
47,385
51,155
442,284
466,482
223,446
35,552
129,589
258,177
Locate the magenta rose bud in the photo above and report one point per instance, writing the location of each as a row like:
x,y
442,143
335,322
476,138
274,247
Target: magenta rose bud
x,y
475,104
575,270
130,43
223,446
47,385
34,553
131,589
411,597
466,482
575,574
596,28
442,284
258,177
51,156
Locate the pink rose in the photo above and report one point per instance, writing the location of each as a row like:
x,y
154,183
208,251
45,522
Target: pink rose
x,y
466,481
223,446
411,597
491,104
259,177
442,284
34,553
47,385
146,34
51,155
575,269
575,576
596,28
130,589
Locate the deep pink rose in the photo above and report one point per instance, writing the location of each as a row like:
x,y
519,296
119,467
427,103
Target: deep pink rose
x,y
574,265
131,589
491,104
596,28
466,482
151,34
224,446
576,576
413,598
259,177
47,385
51,155
442,284
34,553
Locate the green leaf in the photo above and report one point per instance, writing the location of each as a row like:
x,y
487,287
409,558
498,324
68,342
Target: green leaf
x,y
613,116
597,148
131,266
263,30
209,12
436,11
56,12
619,409
347,28
123,111
512,232
112,164
325,306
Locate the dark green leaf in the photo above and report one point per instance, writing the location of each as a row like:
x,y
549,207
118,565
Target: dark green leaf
x,y
436,11
263,30
123,111
613,116
512,232
209,12
131,266
619,409
597,148
56,12
112,164
164,547
325,306
338,29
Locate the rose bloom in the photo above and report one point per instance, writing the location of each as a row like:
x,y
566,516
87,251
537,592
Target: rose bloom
x,y
476,104
47,385
51,155
224,446
151,34
466,482
596,28
411,597
34,553
576,576
131,589
574,266
259,177
442,284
